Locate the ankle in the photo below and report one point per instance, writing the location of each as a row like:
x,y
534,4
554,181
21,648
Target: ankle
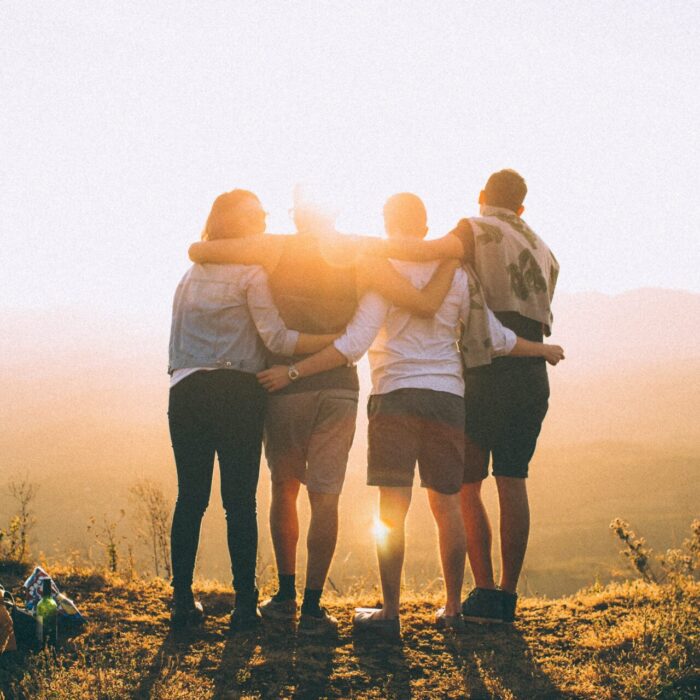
x,y
286,587
183,597
453,608
312,601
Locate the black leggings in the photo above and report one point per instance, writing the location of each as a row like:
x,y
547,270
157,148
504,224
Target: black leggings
x,y
216,412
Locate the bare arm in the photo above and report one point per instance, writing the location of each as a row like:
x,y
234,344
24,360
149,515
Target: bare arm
x,y
448,246
308,343
528,348
380,275
251,250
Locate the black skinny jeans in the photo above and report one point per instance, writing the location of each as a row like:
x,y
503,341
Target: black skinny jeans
x,y
216,412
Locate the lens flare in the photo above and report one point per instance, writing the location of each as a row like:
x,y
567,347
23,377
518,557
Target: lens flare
x,y
380,531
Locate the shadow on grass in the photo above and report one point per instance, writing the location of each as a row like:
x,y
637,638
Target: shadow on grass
x,y
498,662
314,666
234,676
289,665
273,663
174,645
385,663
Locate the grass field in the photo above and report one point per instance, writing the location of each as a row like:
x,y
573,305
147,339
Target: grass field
x,y
632,640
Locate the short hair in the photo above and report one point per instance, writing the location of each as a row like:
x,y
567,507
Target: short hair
x,y
406,212
217,225
506,189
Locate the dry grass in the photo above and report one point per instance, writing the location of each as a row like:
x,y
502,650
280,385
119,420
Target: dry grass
x,y
632,640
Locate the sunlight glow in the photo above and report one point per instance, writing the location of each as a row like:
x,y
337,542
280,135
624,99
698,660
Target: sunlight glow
x,y
380,530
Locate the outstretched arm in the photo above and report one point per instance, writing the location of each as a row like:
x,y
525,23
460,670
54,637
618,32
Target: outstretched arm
x,y
250,250
380,275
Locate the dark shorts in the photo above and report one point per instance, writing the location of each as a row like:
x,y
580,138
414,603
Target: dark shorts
x,y
504,411
409,425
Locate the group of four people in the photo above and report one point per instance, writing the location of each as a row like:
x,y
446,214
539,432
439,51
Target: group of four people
x,y
265,335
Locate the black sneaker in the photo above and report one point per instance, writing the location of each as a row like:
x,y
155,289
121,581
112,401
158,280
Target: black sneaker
x,y
186,612
243,619
484,606
246,613
509,601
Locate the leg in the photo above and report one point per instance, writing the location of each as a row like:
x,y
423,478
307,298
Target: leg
x,y
287,426
193,446
239,445
327,458
478,531
447,513
515,528
321,538
393,507
284,524
529,401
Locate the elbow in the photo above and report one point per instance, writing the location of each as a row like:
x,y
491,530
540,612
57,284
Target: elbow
x,y
194,253
426,309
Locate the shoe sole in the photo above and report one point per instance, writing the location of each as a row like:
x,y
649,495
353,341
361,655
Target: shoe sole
x,y
316,632
484,620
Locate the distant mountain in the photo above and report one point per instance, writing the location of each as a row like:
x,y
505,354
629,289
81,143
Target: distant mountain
x,y
637,327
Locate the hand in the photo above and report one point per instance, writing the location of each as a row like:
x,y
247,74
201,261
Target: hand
x,y
275,378
552,353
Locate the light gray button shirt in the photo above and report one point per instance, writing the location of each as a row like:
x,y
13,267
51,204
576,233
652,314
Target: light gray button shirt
x,y
223,316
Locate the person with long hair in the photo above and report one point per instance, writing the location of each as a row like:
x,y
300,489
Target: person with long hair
x,y
223,318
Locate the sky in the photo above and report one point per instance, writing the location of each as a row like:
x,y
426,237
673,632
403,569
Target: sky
x,y
120,123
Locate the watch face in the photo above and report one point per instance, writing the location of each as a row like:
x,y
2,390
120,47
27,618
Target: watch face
x,y
293,373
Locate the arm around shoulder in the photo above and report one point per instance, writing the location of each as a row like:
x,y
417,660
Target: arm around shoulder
x,y
251,250
380,275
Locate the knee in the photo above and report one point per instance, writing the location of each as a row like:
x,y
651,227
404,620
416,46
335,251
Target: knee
x,y
285,491
471,492
324,507
191,504
241,507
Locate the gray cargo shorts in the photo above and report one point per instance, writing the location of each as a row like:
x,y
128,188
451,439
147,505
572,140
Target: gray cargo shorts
x,y
308,436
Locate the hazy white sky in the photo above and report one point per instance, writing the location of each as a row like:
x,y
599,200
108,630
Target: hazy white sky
x,y
120,122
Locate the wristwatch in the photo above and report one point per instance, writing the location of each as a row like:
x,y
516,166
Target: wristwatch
x,y
292,373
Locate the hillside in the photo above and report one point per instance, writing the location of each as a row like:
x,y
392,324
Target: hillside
x,y
85,415
623,641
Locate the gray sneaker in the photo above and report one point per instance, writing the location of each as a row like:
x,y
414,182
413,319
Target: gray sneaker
x,y
484,606
282,610
453,623
318,625
364,622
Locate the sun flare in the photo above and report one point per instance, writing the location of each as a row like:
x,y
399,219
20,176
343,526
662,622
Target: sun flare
x,y
380,530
